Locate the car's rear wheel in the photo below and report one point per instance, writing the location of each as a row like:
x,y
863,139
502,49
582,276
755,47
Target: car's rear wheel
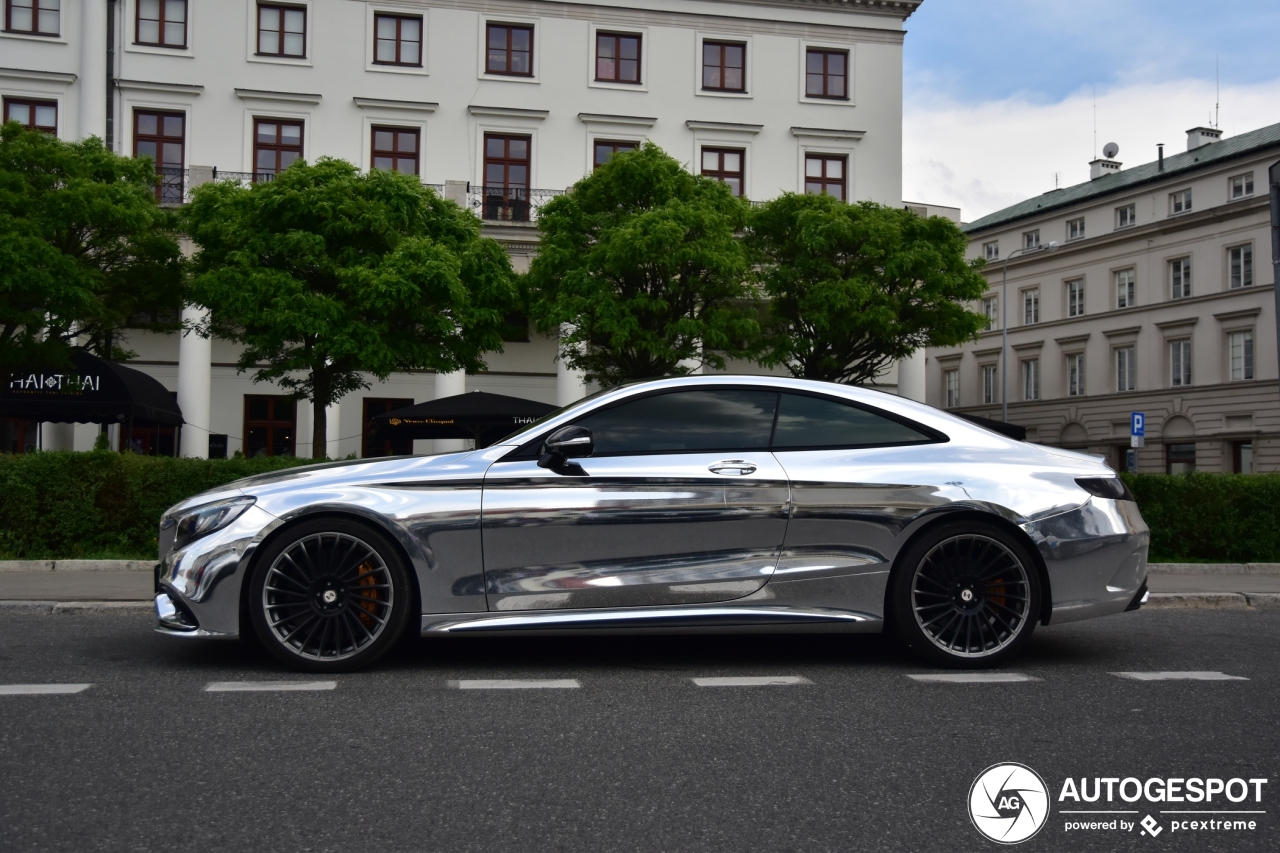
x,y
329,595
965,595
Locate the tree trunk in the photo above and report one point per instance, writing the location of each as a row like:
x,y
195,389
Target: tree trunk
x,y
319,429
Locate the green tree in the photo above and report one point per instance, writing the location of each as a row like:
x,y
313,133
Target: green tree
x,y
326,275
641,264
853,287
83,247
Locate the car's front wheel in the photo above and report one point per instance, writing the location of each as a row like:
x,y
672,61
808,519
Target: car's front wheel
x,y
329,595
965,595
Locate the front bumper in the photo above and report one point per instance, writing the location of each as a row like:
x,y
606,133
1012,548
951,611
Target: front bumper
x,y
1096,557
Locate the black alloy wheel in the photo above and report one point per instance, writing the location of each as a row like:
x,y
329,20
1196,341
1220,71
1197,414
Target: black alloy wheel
x,y
965,595
329,596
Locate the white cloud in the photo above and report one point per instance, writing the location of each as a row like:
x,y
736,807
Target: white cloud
x,y
985,156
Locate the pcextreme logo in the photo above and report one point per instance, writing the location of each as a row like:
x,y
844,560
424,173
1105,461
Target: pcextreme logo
x,y
1008,803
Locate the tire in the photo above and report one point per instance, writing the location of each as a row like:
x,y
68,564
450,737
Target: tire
x,y
330,595
965,595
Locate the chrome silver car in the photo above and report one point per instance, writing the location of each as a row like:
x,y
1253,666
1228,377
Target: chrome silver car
x,y
707,503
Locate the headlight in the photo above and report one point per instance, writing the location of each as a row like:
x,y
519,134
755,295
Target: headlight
x,y
1112,488
203,520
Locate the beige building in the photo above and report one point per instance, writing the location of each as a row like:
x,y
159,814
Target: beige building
x,y
1147,289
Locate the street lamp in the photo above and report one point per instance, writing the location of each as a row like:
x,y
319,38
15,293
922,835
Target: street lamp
x,y
1004,320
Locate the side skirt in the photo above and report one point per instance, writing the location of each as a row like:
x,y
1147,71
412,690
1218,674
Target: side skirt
x,y
654,620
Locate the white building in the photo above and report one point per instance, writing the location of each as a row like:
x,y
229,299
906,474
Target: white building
x,y
500,103
1158,298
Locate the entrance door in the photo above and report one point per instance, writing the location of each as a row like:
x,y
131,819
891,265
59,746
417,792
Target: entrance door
x,y
681,503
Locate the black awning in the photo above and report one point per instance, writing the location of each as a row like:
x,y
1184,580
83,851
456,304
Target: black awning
x,y
479,415
92,390
1013,431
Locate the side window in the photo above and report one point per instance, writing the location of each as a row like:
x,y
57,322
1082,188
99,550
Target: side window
x,y
709,420
814,422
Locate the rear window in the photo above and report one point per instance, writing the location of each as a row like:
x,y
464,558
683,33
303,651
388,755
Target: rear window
x,y
814,422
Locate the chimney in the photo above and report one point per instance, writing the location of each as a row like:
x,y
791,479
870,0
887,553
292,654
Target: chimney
x,y
1159,156
1100,167
1198,136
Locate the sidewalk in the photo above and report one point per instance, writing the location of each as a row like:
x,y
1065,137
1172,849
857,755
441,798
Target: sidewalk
x,y
122,582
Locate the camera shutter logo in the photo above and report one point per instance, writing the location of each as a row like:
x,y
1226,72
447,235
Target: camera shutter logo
x,y
1008,803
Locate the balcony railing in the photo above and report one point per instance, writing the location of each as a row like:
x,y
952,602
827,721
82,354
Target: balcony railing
x,y
173,184
509,204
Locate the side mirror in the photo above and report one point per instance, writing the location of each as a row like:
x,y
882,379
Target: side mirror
x,y
571,442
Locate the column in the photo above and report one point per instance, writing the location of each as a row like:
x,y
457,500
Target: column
x,y
570,386
911,376
333,430
93,67
195,382
58,436
449,385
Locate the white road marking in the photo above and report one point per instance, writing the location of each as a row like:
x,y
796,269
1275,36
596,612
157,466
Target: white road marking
x,y
41,689
1180,676
971,677
516,684
750,681
267,686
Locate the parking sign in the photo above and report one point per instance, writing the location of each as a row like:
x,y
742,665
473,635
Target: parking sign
x,y
1137,429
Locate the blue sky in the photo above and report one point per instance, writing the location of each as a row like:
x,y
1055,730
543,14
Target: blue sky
x,y
1020,75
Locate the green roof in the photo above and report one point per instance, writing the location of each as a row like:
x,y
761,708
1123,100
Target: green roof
x,y
1117,182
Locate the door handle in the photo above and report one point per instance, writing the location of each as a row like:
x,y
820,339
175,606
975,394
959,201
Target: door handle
x,y
733,468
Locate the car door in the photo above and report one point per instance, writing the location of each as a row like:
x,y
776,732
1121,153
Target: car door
x,y
681,502
854,474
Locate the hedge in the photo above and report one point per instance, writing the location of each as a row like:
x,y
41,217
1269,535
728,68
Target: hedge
x,y
63,505
1229,518
99,505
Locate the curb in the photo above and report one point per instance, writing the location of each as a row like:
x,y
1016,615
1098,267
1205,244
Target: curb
x,y
1213,568
49,607
77,565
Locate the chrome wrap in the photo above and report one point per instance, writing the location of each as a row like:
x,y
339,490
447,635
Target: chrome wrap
x,y
783,540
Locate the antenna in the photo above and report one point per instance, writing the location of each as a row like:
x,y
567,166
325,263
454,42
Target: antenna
x,y
1110,150
1095,122
1217,90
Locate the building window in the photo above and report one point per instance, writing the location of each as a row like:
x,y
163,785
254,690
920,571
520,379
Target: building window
x,y
1242,457
1180,363
1240,345
1075,375
162,23
605,149
282,31
1075,229
951,380
990,391
1126,369
276,144
373,445
161,136
1240,261
1126,216
991,307
1180,202
1180,278
724,66
1125,288
1242,186
826,74
396,149
506,177
725,166
37,115
34,17
510,50
270,425
991,251
1075,298
617,58
1031,306
1030,239
1031,379
1180,458
824,174
397,40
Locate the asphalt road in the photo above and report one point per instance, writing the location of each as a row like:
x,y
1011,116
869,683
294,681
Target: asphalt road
x,y
638,757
